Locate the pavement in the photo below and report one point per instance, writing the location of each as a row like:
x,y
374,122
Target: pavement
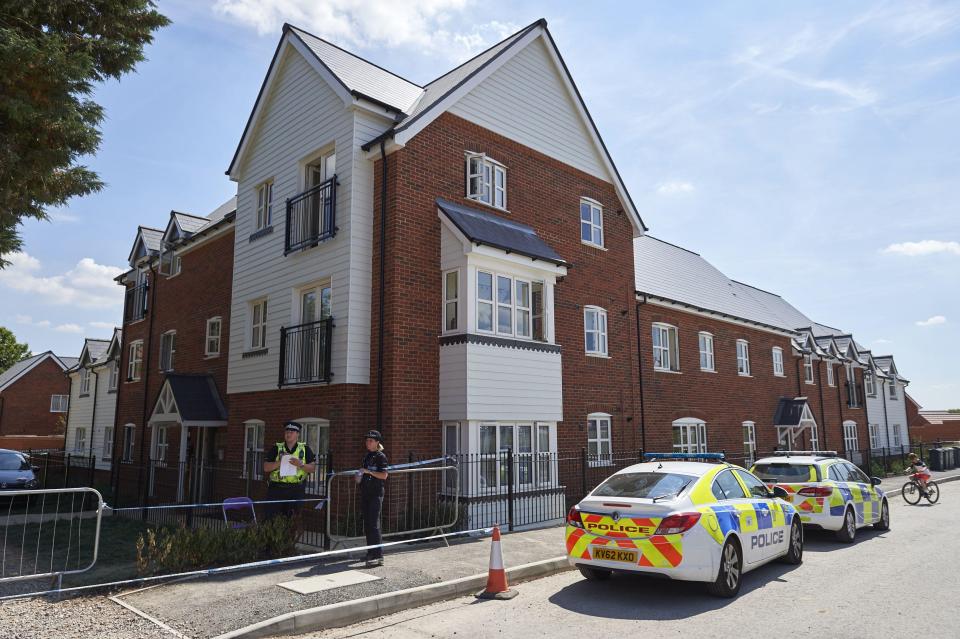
x,y
899,581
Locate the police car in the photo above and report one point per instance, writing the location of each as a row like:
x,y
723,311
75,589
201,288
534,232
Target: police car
x,y
684,519
828,491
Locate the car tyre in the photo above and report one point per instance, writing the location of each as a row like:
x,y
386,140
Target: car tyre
x,y
794,554
884,522
730,574
595,574
848,532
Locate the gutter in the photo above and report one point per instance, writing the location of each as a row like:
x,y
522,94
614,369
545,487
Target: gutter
x,y
643,414
383,286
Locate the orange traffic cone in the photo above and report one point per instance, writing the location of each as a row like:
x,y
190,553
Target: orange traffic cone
x,y
497,587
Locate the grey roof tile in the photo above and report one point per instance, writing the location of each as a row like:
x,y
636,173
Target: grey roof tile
x,y
197,397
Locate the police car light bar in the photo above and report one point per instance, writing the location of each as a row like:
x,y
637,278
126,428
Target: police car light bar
x,y
718,456
813,453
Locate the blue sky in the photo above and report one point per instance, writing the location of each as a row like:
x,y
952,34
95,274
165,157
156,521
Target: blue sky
x,y
810,149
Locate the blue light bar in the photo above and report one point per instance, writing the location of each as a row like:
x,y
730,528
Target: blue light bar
x,y
719,456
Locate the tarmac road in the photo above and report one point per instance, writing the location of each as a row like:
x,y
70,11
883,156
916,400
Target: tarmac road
x,y
900,582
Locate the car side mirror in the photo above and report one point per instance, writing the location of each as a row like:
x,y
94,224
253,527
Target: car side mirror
x,y
875,480
780,492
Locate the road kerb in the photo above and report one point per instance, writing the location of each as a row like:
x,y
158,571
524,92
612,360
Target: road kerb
x,y
350,612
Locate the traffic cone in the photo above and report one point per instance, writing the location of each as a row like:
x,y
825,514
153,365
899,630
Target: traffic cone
x,y
497,587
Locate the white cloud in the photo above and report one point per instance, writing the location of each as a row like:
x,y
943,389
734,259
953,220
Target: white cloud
x,y
69,328
105,325
674,188
86,285
63,216
44,323
933,321
421,25
882,341
24,319
923,247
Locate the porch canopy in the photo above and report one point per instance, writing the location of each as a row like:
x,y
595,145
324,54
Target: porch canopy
x,y
190,400
792,417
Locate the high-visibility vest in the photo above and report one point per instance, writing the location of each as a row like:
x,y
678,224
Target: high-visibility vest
x,y
301,452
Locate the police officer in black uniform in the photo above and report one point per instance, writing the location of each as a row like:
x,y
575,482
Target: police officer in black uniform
x,y
372,476
288,487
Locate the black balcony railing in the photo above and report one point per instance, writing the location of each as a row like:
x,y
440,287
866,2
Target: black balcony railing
x,y
135,304
305,353
311,216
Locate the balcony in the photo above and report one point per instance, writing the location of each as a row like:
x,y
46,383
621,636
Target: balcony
x,y
305,353
135,304
311,217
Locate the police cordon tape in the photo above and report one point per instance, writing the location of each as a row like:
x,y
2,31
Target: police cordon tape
x,y
208,572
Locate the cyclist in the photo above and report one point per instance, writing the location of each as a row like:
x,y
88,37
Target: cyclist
x,y
920,469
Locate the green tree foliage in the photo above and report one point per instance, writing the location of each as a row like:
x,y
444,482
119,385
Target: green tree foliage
x,y
52,52
11,351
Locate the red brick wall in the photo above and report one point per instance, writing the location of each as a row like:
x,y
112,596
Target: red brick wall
x,y
543,193
25,408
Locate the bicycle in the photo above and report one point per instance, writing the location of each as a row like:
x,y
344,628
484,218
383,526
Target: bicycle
x,y
912,492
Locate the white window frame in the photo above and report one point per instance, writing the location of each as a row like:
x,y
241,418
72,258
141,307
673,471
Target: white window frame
x,y
59,403
168,349
135,361
107,452
600,444
853,397
80,439
831,379
593,224
258,428
160,445
525,470
749,442
451,302
808,369
743,358
668,353
892,390
897,442
515,307
84,381
814,437
693,435
129,442
263,199
874,430
705,345
316,430
600,332
870,384
778,361
490,178
210,337
850,442
114,375
258,329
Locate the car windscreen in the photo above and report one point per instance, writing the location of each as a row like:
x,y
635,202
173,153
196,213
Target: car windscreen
x,y
643,485
13,461
785,473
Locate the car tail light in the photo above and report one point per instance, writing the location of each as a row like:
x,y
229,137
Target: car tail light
x,y
573,518
676,524
815,491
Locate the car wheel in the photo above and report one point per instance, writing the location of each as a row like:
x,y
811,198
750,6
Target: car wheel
x,y
595,574
727,584
848,532
794,554
884,523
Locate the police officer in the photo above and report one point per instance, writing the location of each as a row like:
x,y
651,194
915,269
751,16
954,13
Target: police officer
x,y
372,476
288,486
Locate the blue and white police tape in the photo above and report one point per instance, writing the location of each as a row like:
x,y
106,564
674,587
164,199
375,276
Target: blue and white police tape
x,y
208,572
416,464
215,504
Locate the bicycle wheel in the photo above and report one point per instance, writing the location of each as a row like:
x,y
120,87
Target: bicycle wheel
x,y
933,492
911,492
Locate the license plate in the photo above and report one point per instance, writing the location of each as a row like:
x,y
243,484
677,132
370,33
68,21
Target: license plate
x,y
615,554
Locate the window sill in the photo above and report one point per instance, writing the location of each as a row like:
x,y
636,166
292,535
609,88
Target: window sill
x,y
666,370
256,235
486,204
598,355
592,245
136,321
254,353
809,383
112,391
709,370
779,375
211,356
82,395
744,375
131,381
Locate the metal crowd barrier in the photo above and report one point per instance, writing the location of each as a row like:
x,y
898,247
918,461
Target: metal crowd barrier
x,y
43,535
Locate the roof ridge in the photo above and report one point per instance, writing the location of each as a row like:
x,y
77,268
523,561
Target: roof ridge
x,y
287,25
676,246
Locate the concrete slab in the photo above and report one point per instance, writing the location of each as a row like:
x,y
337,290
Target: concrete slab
x,y
310,585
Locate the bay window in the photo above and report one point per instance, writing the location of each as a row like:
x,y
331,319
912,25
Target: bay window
x,y
517,305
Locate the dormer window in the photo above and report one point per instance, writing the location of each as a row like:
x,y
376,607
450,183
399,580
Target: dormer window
x,y
893,387
486,180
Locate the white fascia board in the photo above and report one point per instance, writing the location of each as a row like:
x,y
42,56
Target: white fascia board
x,y
200,239
716,315
389,147
359,103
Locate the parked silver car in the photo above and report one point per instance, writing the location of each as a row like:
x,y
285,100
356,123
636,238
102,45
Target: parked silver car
x,y
16,473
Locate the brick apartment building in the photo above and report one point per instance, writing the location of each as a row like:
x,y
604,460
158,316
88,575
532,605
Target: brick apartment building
x,y
34,402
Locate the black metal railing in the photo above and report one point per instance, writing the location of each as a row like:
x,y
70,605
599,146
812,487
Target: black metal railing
x,y
305,353
135,304
311,216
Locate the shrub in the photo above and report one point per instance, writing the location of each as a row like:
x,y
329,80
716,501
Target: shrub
x,y
179,549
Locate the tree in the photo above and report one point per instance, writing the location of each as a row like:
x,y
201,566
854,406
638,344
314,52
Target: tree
x,y
51,54
11,351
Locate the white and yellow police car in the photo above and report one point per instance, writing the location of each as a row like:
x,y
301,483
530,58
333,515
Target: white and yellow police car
x,y
684,519
828,491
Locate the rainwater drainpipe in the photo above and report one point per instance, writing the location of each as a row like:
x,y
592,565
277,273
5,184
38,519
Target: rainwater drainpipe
x,y
643,413
93,413
823,416
383,285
